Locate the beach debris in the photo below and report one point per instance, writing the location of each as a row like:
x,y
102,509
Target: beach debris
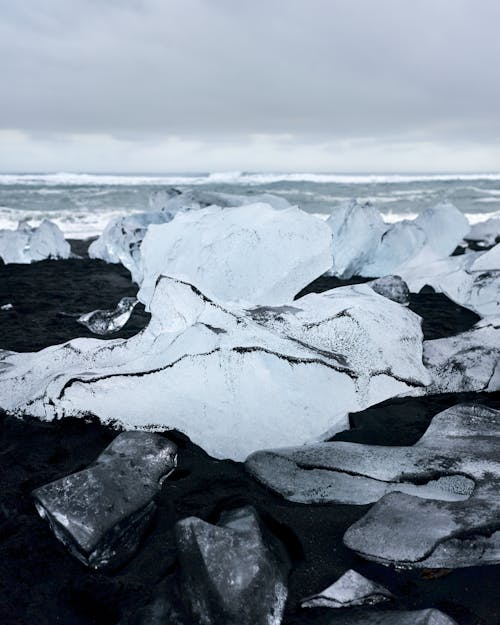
x,y
101,513
352,589
397,617
105,322
234,380
392,287
29,244
232,572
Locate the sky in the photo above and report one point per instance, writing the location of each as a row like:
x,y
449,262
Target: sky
x,y
261,85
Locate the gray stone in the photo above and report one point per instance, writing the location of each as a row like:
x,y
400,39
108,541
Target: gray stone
x,y
352,589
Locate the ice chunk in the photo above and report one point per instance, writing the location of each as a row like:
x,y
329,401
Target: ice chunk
x,y
396,617
234,380
469,361
352,589
8,306
105,322
489,260
30,244
392,287
444,226
486,232
232,572
356,233
248,254
102,512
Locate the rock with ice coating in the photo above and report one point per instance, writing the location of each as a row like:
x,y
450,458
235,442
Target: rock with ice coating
x,y
234,380
392,287
356,233
469,361
486,232
106,322
396,617
411,531
249,254
232,573
30,244
102,512
352,589
444,226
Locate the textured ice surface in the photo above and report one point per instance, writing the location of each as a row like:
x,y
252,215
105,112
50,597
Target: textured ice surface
x,y
469,361
232,573
444,226
397,617
234,380
392,287
352,589
105,322
101,513
487,232
356,232
27,244
252,254
410,531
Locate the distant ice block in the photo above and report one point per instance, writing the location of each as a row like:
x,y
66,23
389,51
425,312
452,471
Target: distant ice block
x,y
234,380
444,226
469,361
356,233
486,232
29,244
352,589
104,322
252,254
232,572
392,287
102,512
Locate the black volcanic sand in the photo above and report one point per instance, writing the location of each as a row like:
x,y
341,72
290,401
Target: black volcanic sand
x,y
41,584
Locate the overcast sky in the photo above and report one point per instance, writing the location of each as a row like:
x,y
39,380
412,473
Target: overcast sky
x,y
267,85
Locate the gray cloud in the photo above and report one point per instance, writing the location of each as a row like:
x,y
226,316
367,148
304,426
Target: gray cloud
x,y
219,70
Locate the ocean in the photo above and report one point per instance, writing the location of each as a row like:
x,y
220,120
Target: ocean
x,y
82,204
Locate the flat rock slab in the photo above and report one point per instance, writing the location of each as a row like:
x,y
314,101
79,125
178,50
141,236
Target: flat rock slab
x,y
352,589
102,512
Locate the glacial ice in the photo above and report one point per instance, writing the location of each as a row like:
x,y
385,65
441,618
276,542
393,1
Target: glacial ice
x,y
102,512
469,361
234,380
444,226
392,287
232,573
104,322
356,232
486,232
397,617
251,254
352,589
29,244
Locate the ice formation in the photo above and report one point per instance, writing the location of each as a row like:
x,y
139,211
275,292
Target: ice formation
x,y
485,232
469,361
392,287
106,322
28,244
102,512
232,572
252,254
234,380
352,589
444,226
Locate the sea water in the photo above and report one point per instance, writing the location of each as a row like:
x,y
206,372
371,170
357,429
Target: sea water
x,y
82,204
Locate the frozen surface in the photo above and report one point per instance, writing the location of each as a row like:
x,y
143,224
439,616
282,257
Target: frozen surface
x,y
487,232
233,380
249,254
104,322
352,589
356,232
465,362
444,226
392,287
101,513
28,244
396,617
232,573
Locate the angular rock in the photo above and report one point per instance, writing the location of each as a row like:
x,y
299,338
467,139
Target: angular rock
x,y
392,287
30,244
352,589
104,322
469,361
252,254
397,617
232,573
102,512
234,380
356,233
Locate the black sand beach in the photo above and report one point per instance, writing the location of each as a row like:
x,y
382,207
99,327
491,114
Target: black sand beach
x,y
41,584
